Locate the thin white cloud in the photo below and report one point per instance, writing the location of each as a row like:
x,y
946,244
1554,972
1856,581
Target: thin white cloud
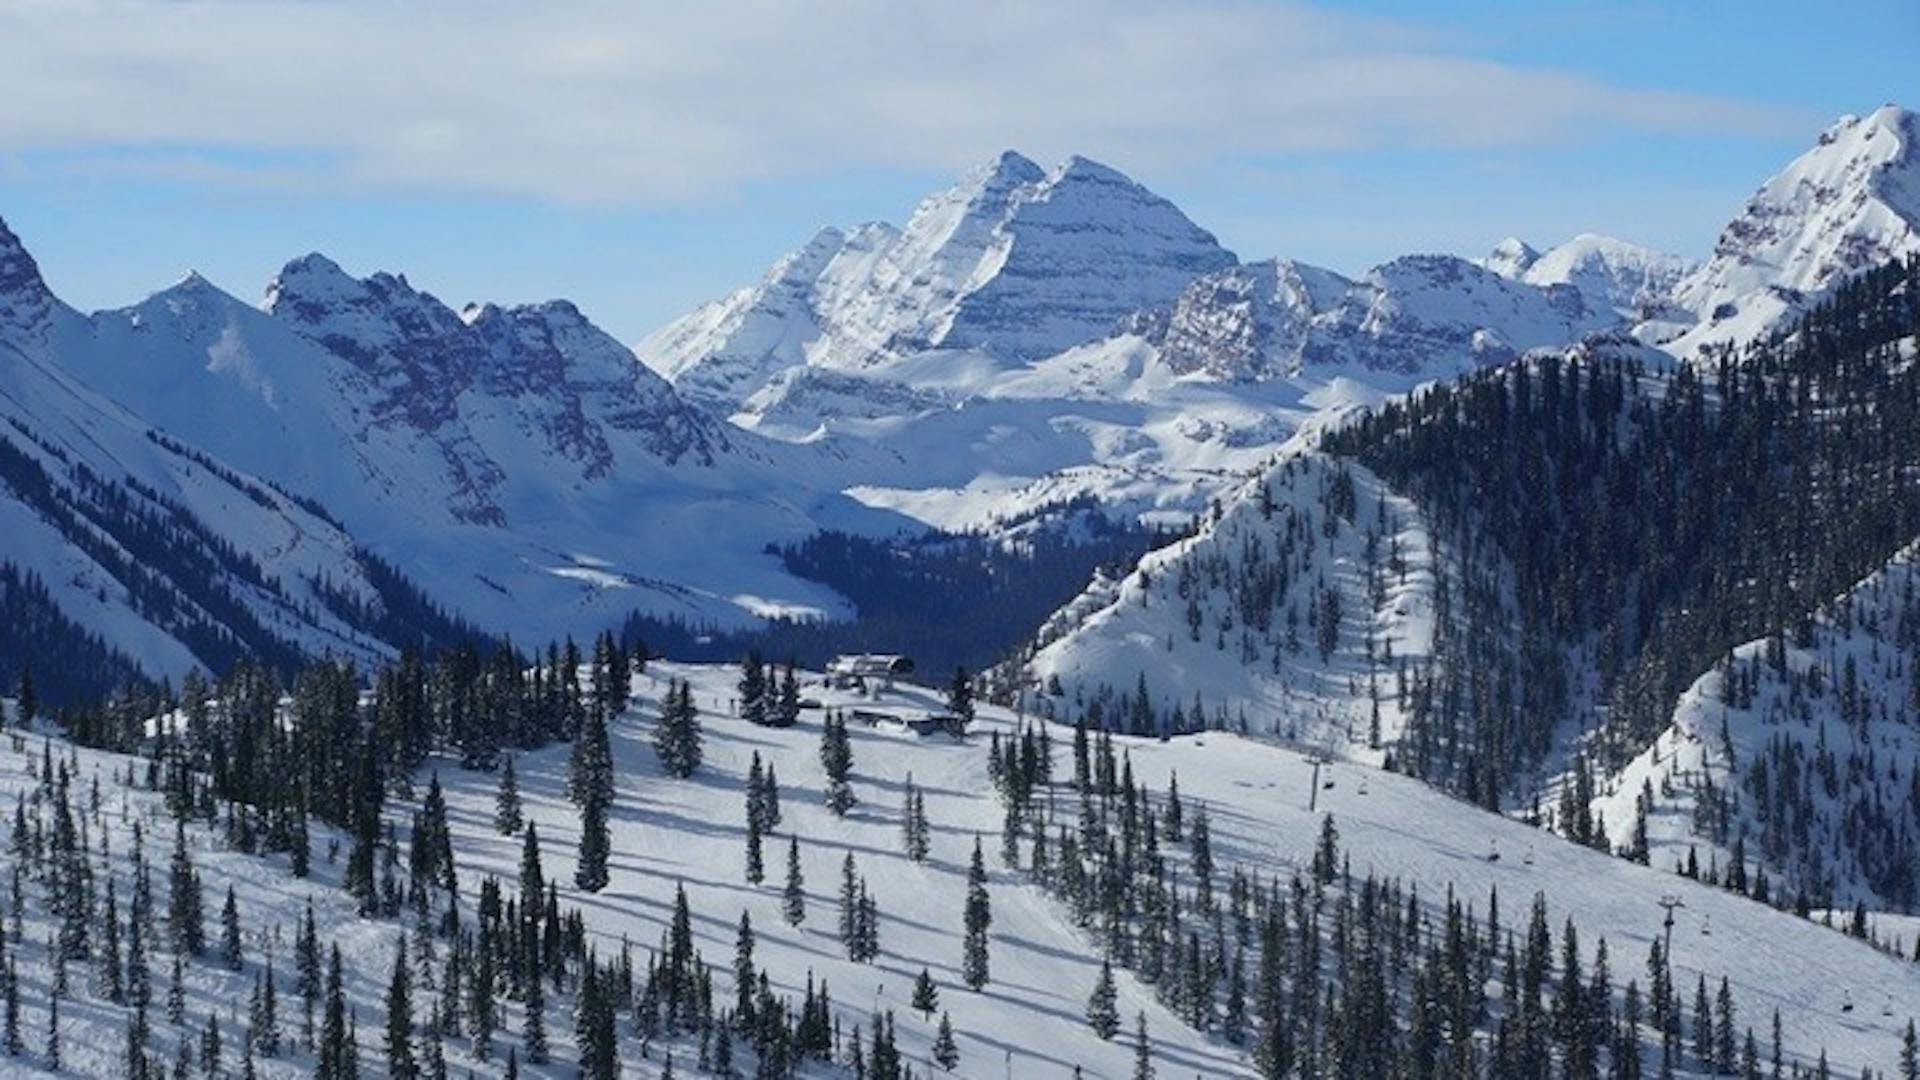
x,y
665,103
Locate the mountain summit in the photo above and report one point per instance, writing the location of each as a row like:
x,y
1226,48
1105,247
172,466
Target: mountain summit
x,y
1014,262
1850,203
27,306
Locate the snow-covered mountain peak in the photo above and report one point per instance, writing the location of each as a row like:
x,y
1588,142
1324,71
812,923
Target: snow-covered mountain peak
x,y
18,271
1849,203
1627,278
192,301
311,279
1006,171
1510,257
1418,314
1013,262
27,306
1077,169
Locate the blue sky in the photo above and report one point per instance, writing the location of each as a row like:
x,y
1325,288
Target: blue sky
x,y
639,163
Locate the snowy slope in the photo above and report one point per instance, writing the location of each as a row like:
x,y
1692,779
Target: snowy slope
x,y
171,556
1850,203
1802,752
517,462
270,901
1293,612
670,834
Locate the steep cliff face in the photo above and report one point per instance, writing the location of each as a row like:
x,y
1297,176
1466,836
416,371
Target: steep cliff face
x,y
1014,262
1850,203
1429,314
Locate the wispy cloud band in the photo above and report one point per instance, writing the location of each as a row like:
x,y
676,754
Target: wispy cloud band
x,y
661,104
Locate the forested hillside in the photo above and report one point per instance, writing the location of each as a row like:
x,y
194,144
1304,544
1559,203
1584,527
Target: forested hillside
x,y
1791,771
1613,528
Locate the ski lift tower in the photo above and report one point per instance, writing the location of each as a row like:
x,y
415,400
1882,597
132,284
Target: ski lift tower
x,y
1669,902
1317,758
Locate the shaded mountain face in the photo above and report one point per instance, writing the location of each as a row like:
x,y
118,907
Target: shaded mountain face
x,y
130,551
1849,204
28,309
516,461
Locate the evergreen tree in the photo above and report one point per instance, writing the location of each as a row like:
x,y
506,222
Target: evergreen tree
x,y
176,991
26,700
507,813
1142,1051
591,784
1724,1029
264,1015
753,689
306,955
916,834
534,1031
333,1030
926,996
836,757
596,844
978,916
1326,855
960,695
793,898
599,1049
849,907
786,709
14,1045
1103,1014
756,865
185,925
533,883
676,737
400,1061
211,1049
946,1052
743,984
230,932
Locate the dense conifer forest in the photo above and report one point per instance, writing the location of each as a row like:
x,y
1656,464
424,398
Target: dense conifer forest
x,y
1613,529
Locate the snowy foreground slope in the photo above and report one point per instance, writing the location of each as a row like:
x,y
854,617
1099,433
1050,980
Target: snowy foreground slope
x,y
670,833
1802,753
271,902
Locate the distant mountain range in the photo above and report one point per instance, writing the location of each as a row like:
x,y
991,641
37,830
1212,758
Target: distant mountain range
x,y
353,463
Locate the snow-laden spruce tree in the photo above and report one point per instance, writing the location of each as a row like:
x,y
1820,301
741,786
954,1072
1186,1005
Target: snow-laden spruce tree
x,y
676,737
